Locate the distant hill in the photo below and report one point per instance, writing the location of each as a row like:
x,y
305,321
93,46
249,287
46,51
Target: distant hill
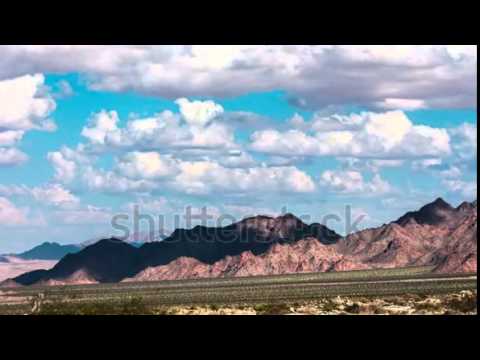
x,y
49,251
135,239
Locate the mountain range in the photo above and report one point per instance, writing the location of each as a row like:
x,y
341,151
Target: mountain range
x,y
49,251
436,234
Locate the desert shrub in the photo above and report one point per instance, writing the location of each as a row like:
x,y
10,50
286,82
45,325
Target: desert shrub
x,y
429,307
462,304
329,305
129,306
353,308
272,309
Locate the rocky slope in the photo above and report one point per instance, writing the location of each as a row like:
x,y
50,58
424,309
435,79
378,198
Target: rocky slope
x,y
437,234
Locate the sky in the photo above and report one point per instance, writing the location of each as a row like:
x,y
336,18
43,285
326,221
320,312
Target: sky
x,y
91,132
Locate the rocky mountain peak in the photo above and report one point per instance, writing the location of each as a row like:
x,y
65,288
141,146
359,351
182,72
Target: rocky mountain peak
x,y
439,203
431,214
466,206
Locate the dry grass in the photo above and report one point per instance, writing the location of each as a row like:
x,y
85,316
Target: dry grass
x,y
463,302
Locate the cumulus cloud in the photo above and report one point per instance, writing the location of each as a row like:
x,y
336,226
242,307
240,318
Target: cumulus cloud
x,y
54,194
12,156
192,129
465,140
352,182
76,168
389,135
25,106
10,215
111,182
426,163
66,162
198,113
146,165
451,172
206,177
10,137
468,189
386,76
143,172
50,194
369,164
440,168
100,125
237,159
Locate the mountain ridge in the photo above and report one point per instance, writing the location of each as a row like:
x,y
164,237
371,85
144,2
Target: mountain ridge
x,y
436,234
48,251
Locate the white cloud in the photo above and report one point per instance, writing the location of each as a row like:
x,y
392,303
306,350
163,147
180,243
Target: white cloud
x,y
10,215
75,168
465,140
12,156
237,159
64,169
24,106
439,168
144,172
451,172
64,89
204,177
50,194
426,163
66,162
146,165
10,137
468,189
374,165
404,104
352,182
377,135
55,194
385,76
164,131
335,122
198,113
111,182
100,125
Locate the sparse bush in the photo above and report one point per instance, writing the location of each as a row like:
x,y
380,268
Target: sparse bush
x,y
353,308
329,305
131,306
465,303
272,309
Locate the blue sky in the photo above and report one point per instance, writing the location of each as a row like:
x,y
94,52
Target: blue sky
x,y
240,130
